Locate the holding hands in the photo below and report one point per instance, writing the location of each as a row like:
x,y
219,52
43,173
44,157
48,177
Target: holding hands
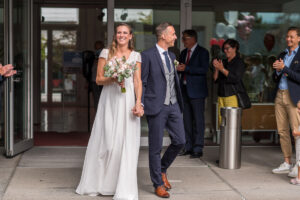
x,y
7,70
278,65
138,110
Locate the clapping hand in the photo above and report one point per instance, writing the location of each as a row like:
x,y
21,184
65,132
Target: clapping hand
x,y
218,64
278,65
138,110
7,70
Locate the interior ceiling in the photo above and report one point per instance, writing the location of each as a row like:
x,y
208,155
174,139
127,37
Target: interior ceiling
x,y
198,5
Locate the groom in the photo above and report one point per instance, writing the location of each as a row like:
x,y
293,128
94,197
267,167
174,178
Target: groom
x,y
163,106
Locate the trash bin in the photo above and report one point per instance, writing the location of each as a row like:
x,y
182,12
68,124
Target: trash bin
x,y
230,145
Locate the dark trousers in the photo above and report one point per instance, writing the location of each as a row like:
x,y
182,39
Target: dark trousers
x,y
194,122
170,118
96,90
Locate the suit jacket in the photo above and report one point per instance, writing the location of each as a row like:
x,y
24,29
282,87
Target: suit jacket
x,y
195,71
155,83
293,77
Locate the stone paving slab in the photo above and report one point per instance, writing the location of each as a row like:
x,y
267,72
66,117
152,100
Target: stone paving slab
x,y
53,173
190,178
60,183
254,180
70,157
7,168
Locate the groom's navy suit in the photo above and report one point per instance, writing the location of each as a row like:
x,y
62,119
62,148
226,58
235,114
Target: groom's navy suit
x,y
160,113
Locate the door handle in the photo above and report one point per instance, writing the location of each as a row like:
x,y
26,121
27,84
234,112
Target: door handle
x,y
17,79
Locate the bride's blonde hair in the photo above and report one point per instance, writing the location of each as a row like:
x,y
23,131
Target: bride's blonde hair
x,y
113,46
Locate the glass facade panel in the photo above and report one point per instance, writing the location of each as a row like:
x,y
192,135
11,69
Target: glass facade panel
x,y
21,56
68,88
144,21
261,35
2,62
260,32
63,41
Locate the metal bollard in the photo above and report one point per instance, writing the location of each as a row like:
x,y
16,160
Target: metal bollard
x,y
230,146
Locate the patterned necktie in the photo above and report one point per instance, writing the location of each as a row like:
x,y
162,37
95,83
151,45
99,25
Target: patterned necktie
x,y
167,60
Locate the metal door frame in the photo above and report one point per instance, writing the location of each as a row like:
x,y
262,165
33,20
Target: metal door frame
x,y
12,149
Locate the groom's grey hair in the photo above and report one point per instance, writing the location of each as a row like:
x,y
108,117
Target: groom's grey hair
x,y
161,28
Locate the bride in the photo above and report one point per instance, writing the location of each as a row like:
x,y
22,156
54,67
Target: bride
x,y
110,165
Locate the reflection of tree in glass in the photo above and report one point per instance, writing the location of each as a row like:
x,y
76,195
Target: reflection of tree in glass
x,y
43,58
146,19
43,51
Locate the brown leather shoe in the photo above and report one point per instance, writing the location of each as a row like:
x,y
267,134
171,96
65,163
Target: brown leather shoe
x,y
165,180
162,192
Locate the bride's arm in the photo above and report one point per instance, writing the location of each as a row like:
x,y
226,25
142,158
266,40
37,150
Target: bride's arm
x,y
137,81
100,79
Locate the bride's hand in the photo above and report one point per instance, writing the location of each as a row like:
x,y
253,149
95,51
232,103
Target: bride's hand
x,y
121,84
138,110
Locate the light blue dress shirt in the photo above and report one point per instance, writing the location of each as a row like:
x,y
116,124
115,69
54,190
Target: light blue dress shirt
x,y
287,62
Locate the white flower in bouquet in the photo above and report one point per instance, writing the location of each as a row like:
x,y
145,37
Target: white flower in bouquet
x,y
118,68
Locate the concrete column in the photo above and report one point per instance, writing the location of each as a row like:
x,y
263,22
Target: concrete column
x,y
110,20
185,17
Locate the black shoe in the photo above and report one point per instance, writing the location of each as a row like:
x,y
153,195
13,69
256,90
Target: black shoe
x,y
196,155
183,152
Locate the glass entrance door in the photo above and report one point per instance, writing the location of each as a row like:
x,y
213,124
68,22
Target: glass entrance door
x,y
18,89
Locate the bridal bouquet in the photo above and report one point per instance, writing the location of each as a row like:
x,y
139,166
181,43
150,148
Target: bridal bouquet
x,y
118,68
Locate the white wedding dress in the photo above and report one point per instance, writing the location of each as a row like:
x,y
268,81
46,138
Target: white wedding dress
x,y
110,165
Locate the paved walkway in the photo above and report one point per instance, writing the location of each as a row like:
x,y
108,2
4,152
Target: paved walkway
x,y
52,173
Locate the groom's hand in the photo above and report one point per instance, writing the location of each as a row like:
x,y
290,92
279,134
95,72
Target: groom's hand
x,y
138,110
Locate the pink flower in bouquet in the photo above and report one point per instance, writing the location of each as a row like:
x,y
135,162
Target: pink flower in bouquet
x,y
118,68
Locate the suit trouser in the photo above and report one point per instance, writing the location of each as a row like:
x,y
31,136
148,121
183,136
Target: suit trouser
x,y
286,118
194,122
170,118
